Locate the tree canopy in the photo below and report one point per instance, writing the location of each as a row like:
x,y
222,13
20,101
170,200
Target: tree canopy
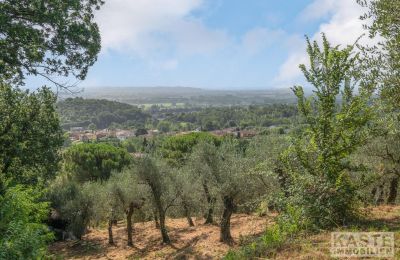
x,y
47,38
30,135
95,161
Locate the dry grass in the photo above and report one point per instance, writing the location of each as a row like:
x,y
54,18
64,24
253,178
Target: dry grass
x,y
199,242
202,241
316,247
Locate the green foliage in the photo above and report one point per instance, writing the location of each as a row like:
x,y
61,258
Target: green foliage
x,y
213,118
112,198
385,57
286,230
102,113
164,126
47,38
318,160
30,135
95,161
74,202
176,149
22,234
161,182
379,159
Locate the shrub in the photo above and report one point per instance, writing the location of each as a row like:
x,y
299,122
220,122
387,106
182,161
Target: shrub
x,y
23,236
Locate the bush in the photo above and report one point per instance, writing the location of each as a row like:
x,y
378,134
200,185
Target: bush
x,y
23,236
73,202
289,225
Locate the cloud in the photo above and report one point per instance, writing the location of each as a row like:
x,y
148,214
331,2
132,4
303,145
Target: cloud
x,y
343,27
318,9
170,64
257,39
145,28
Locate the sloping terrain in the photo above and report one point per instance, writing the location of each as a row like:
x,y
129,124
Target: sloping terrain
x,y
198,242
202,241
377,219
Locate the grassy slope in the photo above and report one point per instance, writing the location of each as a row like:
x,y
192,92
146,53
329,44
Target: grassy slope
x,y
383,218
201,241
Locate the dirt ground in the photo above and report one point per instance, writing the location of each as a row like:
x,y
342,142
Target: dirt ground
x,y
198,242
202,241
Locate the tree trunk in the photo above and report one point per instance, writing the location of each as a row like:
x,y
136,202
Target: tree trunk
x,y
157,224
161,215
164,233
283,181
380,199
225,232
110,232
394,184
187,214
129,214
210,201
373,194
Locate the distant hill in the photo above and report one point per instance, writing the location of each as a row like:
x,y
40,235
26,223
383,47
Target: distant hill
x,y
188,96
82,112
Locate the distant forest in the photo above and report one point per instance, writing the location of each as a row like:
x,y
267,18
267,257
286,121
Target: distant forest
x,y
80,112
83,112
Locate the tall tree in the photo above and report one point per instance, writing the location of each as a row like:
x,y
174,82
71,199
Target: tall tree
x,y
203,164
384,16
227,177
30,136
157,175
124,188
47,38
335,126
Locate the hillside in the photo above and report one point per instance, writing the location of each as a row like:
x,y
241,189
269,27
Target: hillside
x,y
191,96
201,241
82,112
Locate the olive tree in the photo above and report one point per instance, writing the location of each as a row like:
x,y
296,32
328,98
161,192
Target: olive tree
x,y
382,18
226,172
384,58
126,195
189,190
203,164
160,181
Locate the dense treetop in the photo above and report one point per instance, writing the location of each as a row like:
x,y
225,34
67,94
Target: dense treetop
x,y
91,162
47,38
30,135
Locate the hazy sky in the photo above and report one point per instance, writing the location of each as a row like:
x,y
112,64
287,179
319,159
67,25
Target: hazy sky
x,y
214,43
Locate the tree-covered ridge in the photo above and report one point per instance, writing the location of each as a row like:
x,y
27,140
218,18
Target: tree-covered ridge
x,y
213,118
104,113
101,112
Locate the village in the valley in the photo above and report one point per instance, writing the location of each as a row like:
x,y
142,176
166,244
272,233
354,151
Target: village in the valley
x,y
82,134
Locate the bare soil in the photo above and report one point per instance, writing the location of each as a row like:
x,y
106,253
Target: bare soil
x,y
198,242
202,241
